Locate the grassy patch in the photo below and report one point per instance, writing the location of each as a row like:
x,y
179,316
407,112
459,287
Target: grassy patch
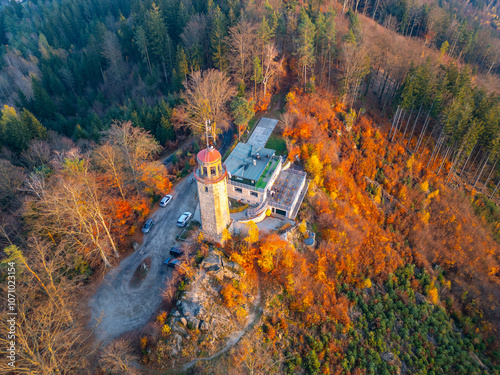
x,y
276,142
237,206
271,166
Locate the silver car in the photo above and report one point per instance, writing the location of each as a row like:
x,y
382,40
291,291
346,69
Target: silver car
x,y
165,200
184,219
148,225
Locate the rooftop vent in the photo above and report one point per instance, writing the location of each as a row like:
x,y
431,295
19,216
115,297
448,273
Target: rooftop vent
x,y
254,162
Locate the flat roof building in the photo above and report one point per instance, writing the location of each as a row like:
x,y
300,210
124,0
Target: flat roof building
x,y
247,163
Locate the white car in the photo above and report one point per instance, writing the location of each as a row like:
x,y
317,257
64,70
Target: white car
x,y
165,200
184,219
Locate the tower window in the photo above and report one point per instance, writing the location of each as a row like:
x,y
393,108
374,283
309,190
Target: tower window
x,y
213,171
206,189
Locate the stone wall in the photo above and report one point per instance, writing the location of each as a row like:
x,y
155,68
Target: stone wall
x,y
245,195
214,208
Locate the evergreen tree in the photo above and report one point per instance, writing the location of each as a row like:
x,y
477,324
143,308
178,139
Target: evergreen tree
x,y
305,49
218,45
158,38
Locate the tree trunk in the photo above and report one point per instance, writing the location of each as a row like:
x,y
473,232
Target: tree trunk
x,y
444,159
495,190
422,135
381,93
394,120
415,124
436,148
481,171
467,161
407,122
397,123
489,176
375,9
480,164
474,160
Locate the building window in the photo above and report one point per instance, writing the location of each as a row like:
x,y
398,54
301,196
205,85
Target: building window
x,y
206,189
254,193
238,190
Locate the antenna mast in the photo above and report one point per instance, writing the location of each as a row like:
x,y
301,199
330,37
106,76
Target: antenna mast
x,y
207,133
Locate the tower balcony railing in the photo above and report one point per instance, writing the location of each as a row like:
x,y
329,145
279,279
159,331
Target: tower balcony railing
x,y
211,180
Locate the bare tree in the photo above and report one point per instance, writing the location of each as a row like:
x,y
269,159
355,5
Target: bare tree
x,y
242,42
270,67
109,158
48,339
38,153
206,96
74,209
355,65
117,358
134,144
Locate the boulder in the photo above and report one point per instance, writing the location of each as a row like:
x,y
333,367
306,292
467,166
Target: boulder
x,y
176,343
202,314
224,272
189,308
239,269
204,326
193,322
212,260
183,321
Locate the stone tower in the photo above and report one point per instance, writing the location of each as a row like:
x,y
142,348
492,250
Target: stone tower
x,y
211,175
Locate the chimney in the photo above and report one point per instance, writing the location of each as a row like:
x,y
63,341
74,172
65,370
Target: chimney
x,y
254,162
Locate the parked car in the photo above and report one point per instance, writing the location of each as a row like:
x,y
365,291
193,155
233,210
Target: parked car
x,y
148,225
176,251
165,200
172,262
184,219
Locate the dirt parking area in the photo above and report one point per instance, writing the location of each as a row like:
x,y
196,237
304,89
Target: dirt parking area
x,y
120,305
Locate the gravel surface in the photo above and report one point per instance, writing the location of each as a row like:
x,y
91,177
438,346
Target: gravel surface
x,y
118,307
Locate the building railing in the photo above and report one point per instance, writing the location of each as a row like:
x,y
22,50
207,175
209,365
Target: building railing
x,y
279,205
245,186
257,210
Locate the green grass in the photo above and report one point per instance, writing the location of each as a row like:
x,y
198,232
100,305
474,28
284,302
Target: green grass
x,y
192,226
267,173
276,142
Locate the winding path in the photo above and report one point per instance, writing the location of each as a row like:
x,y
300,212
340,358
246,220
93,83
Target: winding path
x,y
235,336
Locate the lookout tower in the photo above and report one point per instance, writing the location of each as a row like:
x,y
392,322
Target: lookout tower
x,y
212,190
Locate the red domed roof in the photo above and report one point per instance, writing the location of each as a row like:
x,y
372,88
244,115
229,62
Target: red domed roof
x,y
209,155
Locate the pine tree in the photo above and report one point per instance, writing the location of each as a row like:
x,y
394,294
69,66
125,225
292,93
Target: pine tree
x,y
217,40
257,74
159,38
142,43
305,49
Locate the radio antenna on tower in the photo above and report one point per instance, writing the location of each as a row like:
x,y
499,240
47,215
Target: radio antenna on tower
x,y
208,133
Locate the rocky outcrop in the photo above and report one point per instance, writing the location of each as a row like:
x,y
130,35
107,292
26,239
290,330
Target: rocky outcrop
x,y
200,307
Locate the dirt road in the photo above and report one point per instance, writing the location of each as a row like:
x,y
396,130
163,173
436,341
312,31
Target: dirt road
x,y
118,307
